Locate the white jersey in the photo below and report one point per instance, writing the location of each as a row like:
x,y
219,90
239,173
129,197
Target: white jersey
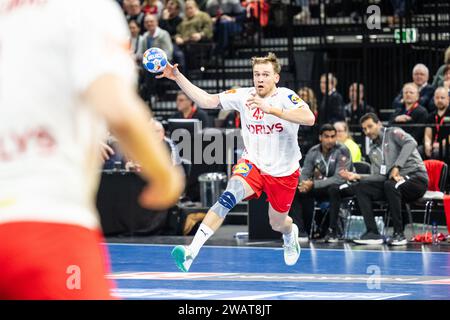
x,y
270,142
50,52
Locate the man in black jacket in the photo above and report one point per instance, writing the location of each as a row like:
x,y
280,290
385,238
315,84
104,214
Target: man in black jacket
x,y
331,107
411,116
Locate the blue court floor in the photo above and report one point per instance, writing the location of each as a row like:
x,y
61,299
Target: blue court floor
x,y
146,271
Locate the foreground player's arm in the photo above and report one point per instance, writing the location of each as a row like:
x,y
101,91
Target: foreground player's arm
x,y
116,101
202,98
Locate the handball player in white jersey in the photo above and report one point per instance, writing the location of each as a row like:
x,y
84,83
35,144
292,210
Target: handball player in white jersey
x,y
65,77
270,120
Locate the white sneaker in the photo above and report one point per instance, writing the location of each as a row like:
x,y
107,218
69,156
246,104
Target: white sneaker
x,y
183,257
292,250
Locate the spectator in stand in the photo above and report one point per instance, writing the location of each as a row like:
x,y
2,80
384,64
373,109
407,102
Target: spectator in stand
x,y
332,104
426,91
228,18
133,12
153,7
411,115
438,79
344,137
307,95
170,19
257,11
357,106
188,110
307,136
196,26
156,37
446,82
305,15
135,40
437,132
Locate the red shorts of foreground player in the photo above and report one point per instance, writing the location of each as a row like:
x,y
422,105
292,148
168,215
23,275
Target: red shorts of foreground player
x,y
52,261
280,190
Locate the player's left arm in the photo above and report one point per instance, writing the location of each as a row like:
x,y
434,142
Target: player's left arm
x,y
295,109
301,115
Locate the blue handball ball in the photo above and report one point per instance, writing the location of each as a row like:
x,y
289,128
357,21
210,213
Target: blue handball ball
x,y
154,60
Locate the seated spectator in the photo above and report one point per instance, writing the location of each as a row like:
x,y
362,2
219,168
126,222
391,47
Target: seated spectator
x,y
307,95
155,37
411,114
397,172
135,41
188,110
196,26
133,12
344,137
446,82
228,17
170,19
438,79
357,106
307,135
153,7
332,105
426,91
320,181
257,11
438,125
305,15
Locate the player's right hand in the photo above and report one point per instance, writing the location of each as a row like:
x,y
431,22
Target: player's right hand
x,y
164,194
169,72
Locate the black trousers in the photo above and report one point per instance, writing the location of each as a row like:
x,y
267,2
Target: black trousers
x,y
366,192
302,208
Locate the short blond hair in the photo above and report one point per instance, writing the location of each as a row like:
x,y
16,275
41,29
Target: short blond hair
x,y
270,58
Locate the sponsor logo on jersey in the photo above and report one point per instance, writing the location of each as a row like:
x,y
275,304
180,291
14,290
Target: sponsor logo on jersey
x,y
230,91
264,128
242,168
294,98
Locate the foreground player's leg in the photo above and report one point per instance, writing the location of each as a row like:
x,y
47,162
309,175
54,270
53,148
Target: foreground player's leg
x,y
237,189
281,222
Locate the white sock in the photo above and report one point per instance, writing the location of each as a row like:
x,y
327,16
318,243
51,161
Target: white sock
x,y
201,236
288,237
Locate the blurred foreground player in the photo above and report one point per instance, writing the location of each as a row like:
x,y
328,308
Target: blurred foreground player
x,y
270,121
59,89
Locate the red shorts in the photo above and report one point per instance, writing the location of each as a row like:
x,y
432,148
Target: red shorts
x,y
280,190
52,261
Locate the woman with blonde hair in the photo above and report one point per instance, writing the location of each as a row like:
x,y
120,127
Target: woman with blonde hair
x,y
307,136
307,95
438,80
344,137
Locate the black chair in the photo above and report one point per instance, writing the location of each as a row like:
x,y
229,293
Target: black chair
x,y
361,167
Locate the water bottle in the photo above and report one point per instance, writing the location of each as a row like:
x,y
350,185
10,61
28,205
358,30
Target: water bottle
x,y
434,233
